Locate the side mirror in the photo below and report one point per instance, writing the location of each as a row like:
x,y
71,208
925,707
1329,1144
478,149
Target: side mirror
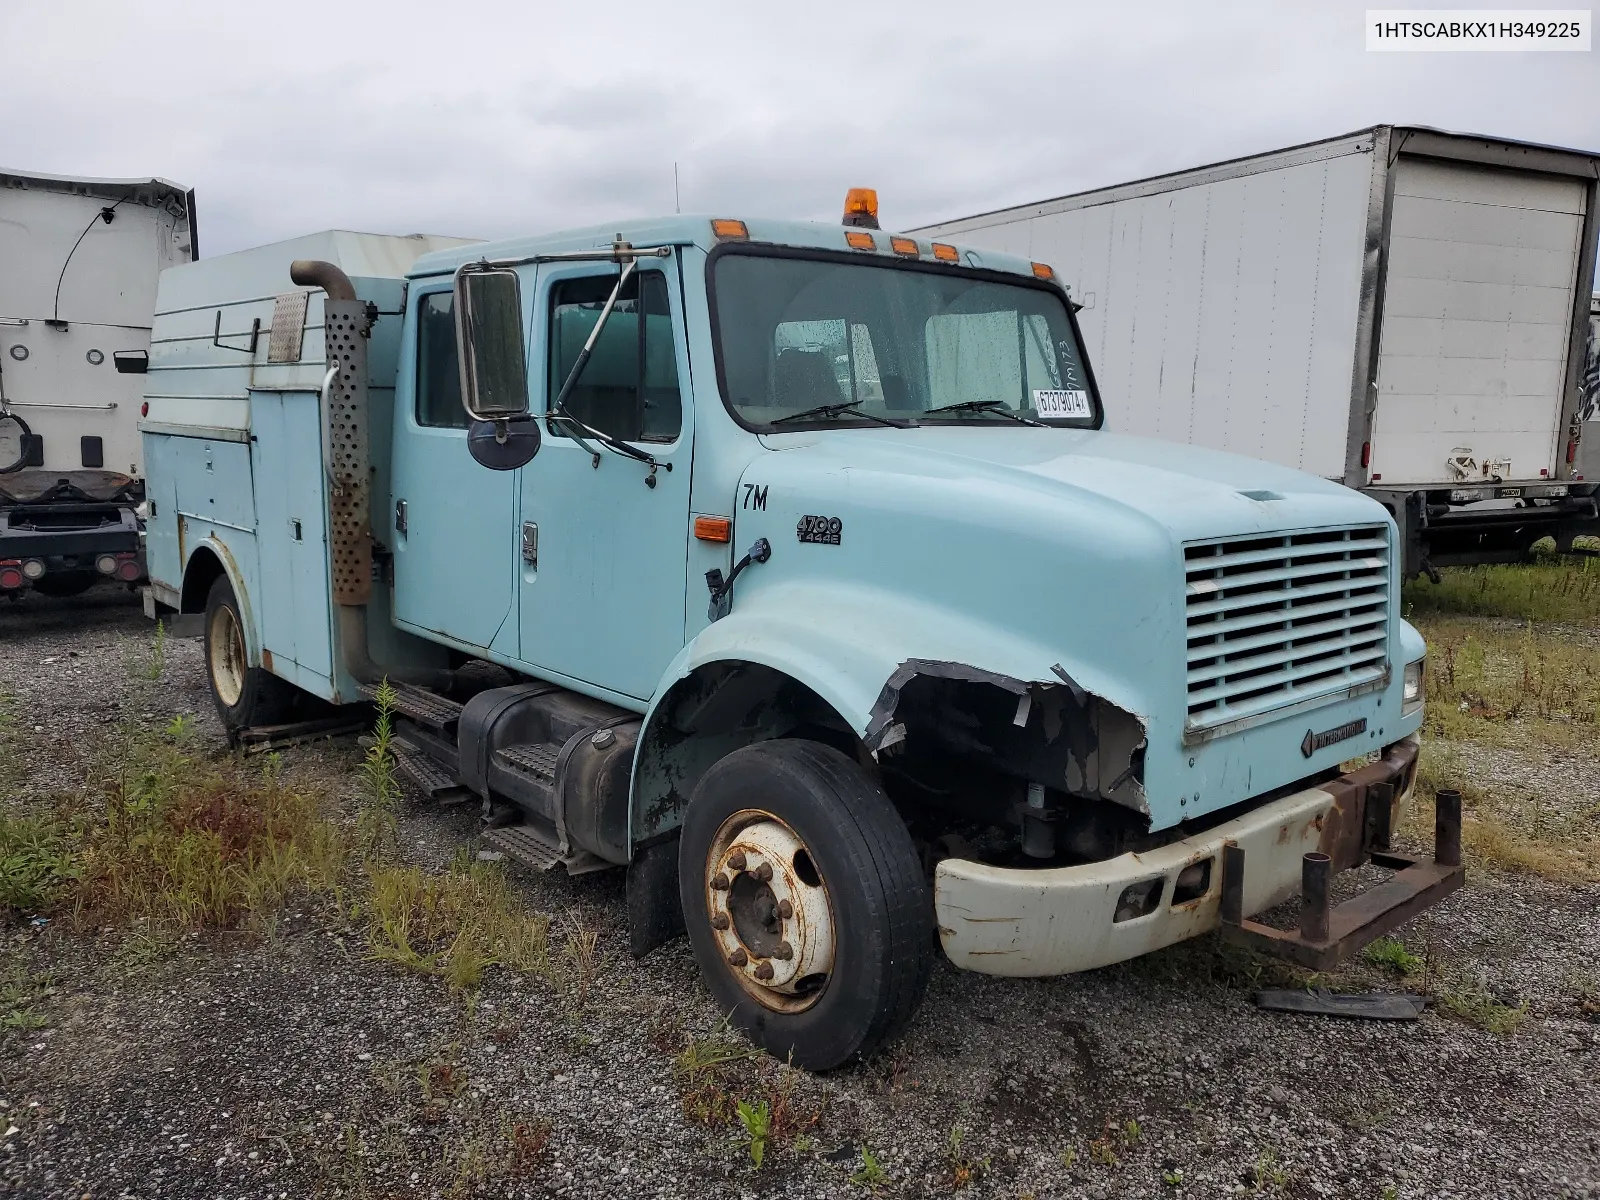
x,y
504,445
494,370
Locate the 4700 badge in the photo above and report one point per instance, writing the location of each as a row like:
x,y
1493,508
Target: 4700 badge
x,y
822,530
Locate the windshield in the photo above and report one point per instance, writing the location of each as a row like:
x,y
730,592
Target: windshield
x,y
802,333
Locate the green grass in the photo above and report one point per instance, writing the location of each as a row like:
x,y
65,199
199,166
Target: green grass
x,y
1565,589
453,926
1468,1000
1510,686
38,863
1391,953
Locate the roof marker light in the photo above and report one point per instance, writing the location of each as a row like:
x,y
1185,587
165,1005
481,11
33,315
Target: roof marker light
x,y
1044,271
727,229
860,241
946,253
907,246
861,208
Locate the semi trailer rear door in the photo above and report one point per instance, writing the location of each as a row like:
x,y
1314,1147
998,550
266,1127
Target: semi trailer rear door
x,y
1477,316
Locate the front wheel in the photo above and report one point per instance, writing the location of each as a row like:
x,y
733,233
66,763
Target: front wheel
x,y
805,902
244,695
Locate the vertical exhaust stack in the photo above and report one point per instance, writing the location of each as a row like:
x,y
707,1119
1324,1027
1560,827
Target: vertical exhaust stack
x,y
344,332
345,327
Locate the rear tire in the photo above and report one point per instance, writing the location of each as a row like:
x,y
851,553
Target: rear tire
x,y
244,695
825,956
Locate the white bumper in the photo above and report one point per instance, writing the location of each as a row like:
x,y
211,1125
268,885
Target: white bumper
x,y
1053,921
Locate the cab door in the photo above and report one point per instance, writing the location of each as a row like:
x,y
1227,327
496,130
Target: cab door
x,y
604,549
451,522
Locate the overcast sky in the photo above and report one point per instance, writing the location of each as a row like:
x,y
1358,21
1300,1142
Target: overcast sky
x,y
482,118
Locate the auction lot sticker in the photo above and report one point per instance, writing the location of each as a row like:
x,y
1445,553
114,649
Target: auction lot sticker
x,y
1062,404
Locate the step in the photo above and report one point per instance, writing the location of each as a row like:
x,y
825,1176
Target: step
x,y
533,846
424,707
535,759
429,776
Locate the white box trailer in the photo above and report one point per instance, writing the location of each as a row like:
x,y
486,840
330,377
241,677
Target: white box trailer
x,y
79,259
1401,309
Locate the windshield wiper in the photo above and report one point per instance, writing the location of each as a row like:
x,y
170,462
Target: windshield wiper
x,y
834,410
989,406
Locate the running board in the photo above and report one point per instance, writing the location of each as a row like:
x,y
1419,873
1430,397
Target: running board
x,y
424,707
432,779
535,847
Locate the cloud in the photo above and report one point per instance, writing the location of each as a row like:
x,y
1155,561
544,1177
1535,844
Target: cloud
x,y
497,118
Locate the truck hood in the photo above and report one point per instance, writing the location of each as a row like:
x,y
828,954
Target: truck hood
x,y
1192,493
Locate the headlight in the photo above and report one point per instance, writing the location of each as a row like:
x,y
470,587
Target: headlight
x,y
1411,689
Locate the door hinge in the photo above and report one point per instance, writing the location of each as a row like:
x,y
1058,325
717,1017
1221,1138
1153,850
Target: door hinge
x,y
530,543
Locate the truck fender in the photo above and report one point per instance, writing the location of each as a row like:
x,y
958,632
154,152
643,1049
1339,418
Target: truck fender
x,y
207,559
844,653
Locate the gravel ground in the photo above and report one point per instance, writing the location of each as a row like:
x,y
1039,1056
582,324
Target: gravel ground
x,y
290,1065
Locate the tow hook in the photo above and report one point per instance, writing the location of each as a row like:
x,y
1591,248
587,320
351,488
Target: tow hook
x,y
722,589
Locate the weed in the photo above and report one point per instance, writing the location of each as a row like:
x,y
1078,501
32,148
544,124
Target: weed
x,y
1268,1173
8,725
530,1143
756,1121
1173,1177
1069,1157
377,825
196,844
1555,589
582,958
38,862
1510,685
1390,1192
1498,832
964,1169
1131,1132
870,1174
453,926
1103,1150
1470,1001
1391,953
157,662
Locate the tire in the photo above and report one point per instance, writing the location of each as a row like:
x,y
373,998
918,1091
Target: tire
x,y
859,903
244,695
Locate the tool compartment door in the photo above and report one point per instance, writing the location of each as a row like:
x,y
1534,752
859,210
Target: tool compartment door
x,y
1477,315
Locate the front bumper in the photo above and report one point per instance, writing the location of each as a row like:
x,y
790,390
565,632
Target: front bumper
x,y
1053,921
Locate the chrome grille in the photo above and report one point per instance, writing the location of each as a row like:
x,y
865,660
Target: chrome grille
x,y
1280,620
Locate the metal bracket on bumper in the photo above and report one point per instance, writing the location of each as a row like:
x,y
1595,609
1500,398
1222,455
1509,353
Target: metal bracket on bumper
x,y
1330,933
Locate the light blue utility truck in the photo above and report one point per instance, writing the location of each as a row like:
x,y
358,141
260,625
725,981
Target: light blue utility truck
x,y
819,601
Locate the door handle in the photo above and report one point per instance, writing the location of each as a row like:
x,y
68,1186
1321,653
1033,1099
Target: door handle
x,y
400,516
530,543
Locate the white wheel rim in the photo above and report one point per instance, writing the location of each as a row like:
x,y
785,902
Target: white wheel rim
x,y
226,646
772,924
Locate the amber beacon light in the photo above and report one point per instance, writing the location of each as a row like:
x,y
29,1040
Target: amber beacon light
x,y
861,208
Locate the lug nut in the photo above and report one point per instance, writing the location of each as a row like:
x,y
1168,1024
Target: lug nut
x,y
719,882
784,951
720,921
764,971
763,872
785,909
737,860
738,958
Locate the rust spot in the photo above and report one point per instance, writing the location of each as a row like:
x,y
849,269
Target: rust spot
x,y
1283,835
183,533
266,658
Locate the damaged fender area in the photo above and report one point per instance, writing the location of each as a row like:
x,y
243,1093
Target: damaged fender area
x,y
839,665
1054,733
